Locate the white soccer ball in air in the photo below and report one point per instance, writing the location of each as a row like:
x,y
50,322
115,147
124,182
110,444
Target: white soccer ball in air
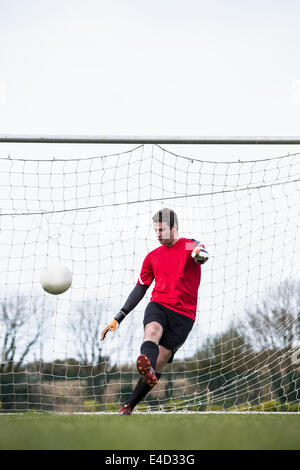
x,y
56,279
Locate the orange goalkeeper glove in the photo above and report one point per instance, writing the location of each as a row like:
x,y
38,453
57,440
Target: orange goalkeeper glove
x,y
112,327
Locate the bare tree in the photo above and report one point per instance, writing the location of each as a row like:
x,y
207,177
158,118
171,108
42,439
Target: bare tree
x,y
85,326
20,329
274,323
273,328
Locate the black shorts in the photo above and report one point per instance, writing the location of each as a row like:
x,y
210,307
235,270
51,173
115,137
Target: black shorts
x,y
176,326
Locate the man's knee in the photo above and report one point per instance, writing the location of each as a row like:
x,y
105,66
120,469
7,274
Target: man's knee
x,y
153,332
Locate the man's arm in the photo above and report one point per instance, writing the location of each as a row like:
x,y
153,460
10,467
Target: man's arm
x,y
144,281
133,299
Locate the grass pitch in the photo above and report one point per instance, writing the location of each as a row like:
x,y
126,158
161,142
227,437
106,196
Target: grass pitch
x,y
149,432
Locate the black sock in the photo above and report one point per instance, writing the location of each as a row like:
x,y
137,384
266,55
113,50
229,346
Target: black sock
x,y
151,350
140,391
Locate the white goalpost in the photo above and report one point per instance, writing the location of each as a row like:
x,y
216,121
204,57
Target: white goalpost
x,y
92,212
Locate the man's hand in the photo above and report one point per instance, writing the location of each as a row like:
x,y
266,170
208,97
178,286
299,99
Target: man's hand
x,y
200,255
111,327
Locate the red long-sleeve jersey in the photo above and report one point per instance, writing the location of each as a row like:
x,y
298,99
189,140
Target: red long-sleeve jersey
x,y
177,276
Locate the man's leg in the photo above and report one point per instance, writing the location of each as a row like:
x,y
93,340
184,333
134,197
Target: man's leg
x,y
152,334
146,362
163,358
142,388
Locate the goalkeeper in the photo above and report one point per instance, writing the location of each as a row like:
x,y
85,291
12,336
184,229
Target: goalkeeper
x,y
170,315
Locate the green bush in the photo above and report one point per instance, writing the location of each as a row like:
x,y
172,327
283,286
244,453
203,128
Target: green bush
x,y
271,405
112,406
142,407
293,407
285,407
257,407
214,408
91,406
233,408
244,407
175,404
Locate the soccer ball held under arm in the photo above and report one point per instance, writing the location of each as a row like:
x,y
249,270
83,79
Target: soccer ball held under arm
x,y
200,254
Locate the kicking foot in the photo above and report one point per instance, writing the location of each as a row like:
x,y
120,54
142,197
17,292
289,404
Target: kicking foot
x,y
125,410
144,367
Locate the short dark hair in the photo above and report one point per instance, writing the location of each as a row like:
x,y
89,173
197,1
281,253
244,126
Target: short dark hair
x,y
166,215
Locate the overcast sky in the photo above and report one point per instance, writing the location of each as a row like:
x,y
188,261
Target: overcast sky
x,y
135,67
159,67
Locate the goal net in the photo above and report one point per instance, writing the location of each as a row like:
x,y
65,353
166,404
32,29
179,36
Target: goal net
x,y
93,214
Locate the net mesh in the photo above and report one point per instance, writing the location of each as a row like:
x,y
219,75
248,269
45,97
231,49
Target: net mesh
x,y
94,215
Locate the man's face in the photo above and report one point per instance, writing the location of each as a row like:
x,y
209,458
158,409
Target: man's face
x,y
163,233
